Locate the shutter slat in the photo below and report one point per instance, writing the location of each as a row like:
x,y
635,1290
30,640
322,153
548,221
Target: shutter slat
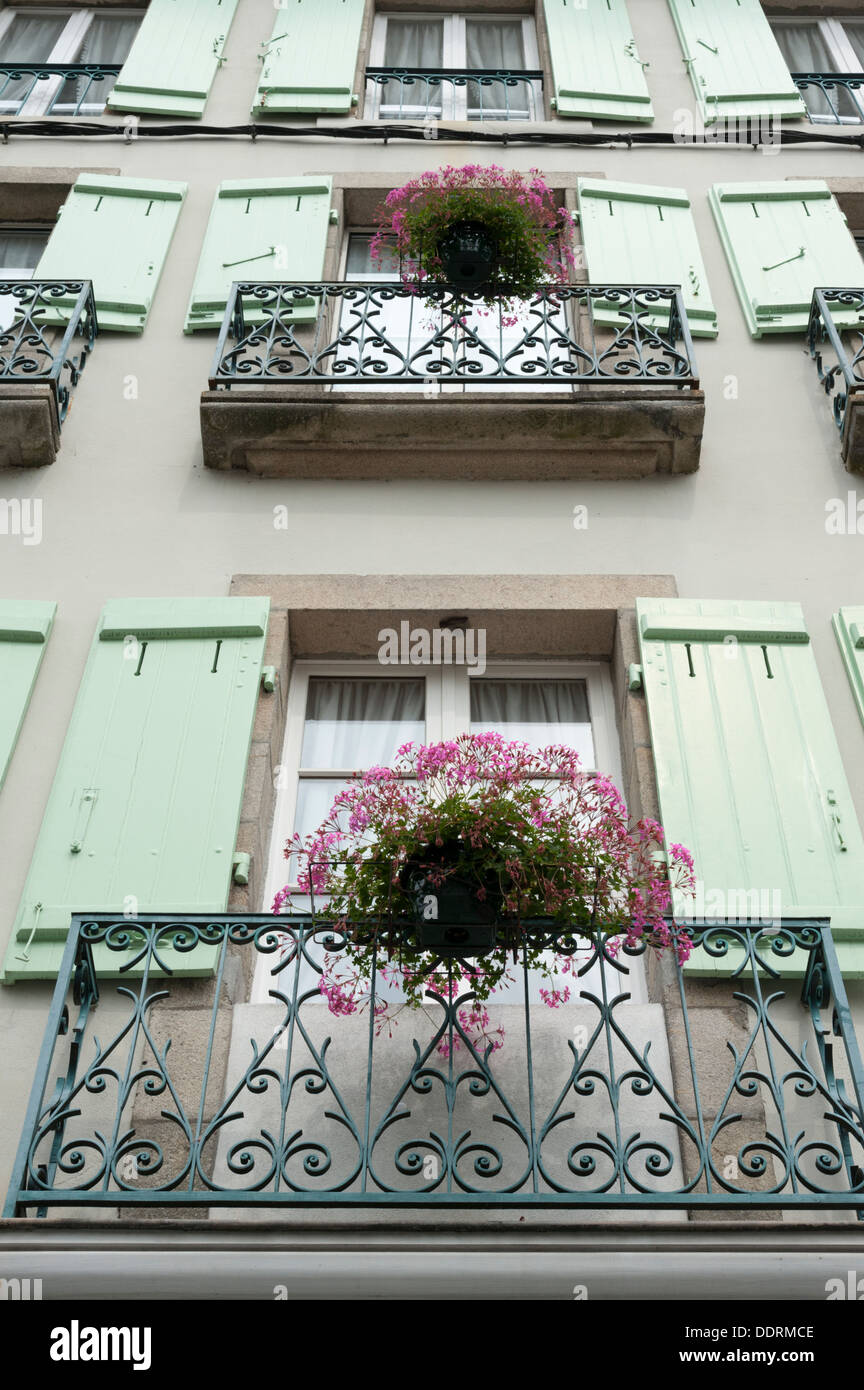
x,y
311,59
736,66
637,234
144,810
24,629
116,232
261,229
782,241
849,629
174,58
749,773
595,65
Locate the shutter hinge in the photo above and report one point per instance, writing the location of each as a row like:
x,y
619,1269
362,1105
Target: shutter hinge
x,y
355,100
268,678
334,217
634,677
240,866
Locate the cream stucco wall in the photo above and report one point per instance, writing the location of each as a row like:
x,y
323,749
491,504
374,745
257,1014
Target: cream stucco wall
x,y
129,509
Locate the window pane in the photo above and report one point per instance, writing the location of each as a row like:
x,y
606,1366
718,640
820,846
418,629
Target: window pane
x,y
494,43
414,43
538,712
19,256
315,796
854,31
360,723
805,50
30,38
20,252
108,40
360,264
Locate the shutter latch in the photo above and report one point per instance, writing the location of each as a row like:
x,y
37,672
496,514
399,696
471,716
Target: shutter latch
x,y
835,821
802,251
85,811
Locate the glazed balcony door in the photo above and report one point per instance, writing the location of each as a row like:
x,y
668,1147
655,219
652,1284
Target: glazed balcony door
x,y
346,717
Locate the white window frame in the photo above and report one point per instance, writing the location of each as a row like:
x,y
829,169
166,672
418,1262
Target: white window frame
x,y
447,715
448,712
436,387
841,52
454,100
65,50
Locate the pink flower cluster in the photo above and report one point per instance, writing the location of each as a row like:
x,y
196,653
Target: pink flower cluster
x,y
534,234
552,841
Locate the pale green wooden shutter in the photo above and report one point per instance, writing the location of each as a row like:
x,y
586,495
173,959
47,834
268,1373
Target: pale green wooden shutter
x,y
595,65
749,774
783,240
173,60
261,229
311,59
144,810
736,66
116,232
849,627
636,234
24,628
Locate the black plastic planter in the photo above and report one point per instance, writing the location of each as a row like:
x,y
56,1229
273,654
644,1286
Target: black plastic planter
x,y
451,919
469,254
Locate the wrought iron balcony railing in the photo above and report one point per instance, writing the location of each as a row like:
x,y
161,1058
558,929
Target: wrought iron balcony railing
x,y
347,335
832,97
835,335
69,88
47,331
280,1104
451,94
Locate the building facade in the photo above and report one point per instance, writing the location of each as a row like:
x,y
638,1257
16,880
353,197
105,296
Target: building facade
x,y
630,521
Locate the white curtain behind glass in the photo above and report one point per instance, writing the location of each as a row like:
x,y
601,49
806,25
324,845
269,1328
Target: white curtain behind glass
x,y
805,50
414,43
356,724
353,724
29,39
538,712
108,40
496,44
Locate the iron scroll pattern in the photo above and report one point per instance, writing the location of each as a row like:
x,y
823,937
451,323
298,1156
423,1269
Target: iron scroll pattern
x,y
425,93
92,81
344,334
50,333
317,1111
832,87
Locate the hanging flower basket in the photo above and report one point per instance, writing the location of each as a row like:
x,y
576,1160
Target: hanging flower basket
x,y
456,846
483,229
